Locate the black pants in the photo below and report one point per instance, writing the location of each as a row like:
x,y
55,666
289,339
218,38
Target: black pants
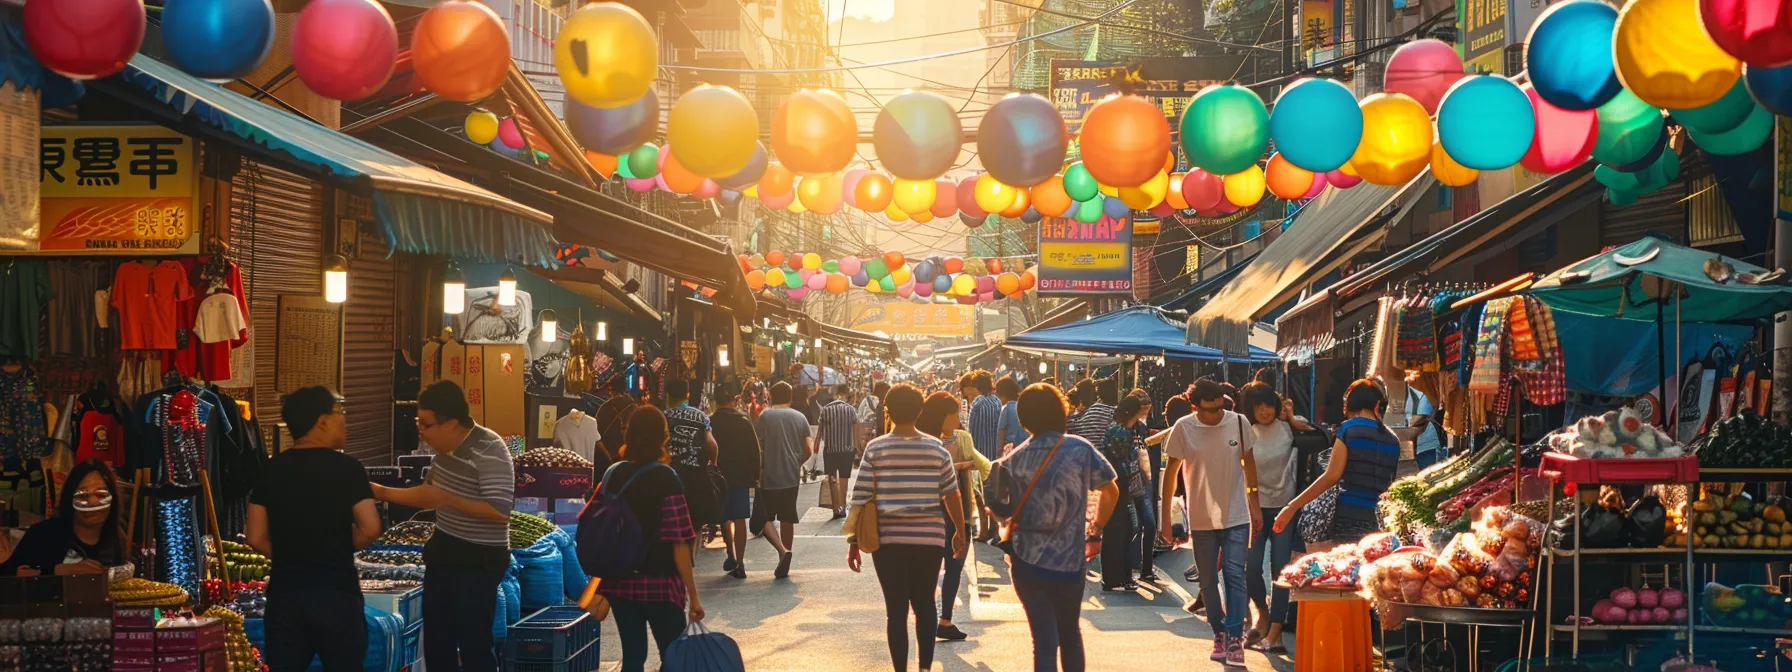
x,y
1116,541
908,574
633,618
460,599
325,624
1054,612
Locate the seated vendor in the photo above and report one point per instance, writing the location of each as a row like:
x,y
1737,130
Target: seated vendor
x,y
82,537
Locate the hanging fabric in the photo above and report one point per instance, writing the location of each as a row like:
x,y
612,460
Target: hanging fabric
x,y
1486,376
24,429
1417,347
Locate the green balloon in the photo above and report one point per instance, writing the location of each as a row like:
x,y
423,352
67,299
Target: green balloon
x,y
1621,198
1720,115
876,268
830,266
644,161
1617,180
1079,183
1089,212
541,155
1628,129
1666,169
622,169
887,283
1225,129
1742,139
793,279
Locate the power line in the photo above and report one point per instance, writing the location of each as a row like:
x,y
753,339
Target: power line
x,y
1140,29
930,35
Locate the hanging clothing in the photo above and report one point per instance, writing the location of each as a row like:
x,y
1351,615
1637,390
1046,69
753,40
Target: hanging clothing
x,y
198,358
24,292
1417,346
1486,376
24,429
72,323
1544,385
1468,329
147,296
1520,336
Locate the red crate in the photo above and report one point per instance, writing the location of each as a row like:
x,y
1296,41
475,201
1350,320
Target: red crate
x,y
194,636
210,661
135,641
1638,471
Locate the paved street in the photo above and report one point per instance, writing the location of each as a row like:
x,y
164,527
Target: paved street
x,y
828,619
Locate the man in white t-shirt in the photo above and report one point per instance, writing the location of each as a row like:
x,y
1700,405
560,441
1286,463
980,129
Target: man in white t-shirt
x,y
1211,450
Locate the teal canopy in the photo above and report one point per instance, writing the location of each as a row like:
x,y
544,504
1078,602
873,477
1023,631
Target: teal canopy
x,y
1628,283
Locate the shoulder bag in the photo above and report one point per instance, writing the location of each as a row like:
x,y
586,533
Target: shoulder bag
x,y
861,521
1008,529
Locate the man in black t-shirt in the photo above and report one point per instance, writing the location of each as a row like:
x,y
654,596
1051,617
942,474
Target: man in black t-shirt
x,y
309,514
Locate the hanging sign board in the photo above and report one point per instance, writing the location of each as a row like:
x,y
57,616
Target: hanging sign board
x,y
902,319
117,190
1085,259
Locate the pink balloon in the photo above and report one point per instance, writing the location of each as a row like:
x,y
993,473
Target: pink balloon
x,y
1338,179
660,181
346,49
1319,183
707,189
798,293
945,198
639,184
804,273
1207,213
816,280
512,136
967,197
1423,69
1563,138
1202,190
905,290
923,289
986,297
986,284
849,186
850,265
778,202
1227,207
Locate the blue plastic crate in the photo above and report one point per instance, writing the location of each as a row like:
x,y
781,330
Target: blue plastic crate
x,y
554,634
583,661
410,646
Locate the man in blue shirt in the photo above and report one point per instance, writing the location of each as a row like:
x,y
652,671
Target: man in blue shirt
x,y
1008,430
986,412
1427,436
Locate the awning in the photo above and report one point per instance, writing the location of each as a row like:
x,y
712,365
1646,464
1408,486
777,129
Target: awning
x,y
1205,288
1634,281
957,352
878,345
419,209
603,288
1075,309
1331,229
1139,330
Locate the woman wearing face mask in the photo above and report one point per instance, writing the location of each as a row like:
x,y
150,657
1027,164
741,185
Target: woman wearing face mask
x,y
83,537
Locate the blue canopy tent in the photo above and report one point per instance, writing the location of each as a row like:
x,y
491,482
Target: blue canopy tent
x,y
1139,330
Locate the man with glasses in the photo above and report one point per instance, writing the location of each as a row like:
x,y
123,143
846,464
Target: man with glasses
x,y
311,511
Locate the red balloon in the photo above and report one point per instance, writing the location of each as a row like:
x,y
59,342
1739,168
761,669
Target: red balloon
x,y
1203,190
84,39
945,198
344,49
1563,138
967,198
1757,32
953,264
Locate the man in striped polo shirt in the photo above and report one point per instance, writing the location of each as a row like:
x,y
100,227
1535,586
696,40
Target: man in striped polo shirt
x,y
471,486
838,452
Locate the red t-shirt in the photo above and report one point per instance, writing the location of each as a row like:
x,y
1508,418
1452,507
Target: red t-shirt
x,y
101,437
146,297
207,361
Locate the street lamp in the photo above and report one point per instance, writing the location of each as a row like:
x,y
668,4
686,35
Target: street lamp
x,y
550,326
454,290
507,287
336,279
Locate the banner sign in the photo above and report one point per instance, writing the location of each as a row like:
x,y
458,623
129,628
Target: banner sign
x,y
1078,259
1483,29
1077,86
901,319
117,190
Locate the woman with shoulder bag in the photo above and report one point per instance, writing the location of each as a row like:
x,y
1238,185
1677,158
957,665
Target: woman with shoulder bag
x,y
1364,459
1272,418
1123,449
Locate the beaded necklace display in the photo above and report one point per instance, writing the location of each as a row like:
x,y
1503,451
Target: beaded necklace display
x,y
183,439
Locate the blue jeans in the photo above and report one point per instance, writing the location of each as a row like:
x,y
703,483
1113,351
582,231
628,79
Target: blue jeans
x,y
1211,548
1280,547
633,618
1144,544
953,574
1430,457
1054,613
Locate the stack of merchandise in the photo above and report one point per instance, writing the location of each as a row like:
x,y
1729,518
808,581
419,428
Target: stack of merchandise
x,y
1336,569
55,624
242,655
138,592
170,644
1491,566
1616,434
397,555
242,562
553,481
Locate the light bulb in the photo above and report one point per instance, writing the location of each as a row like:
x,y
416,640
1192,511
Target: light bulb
x,y
454,291
603,331
1042,368
790,328
550,326
336,279
628,347
721,355
817,342
507,287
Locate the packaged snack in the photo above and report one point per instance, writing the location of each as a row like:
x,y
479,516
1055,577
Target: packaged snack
x,y
1376,546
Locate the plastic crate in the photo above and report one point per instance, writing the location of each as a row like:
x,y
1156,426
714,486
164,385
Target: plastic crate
x,y
405,604
410,646
554,634
583,661
1639,471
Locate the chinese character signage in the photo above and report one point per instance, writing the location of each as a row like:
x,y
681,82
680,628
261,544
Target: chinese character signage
x,y
1483,35
117,190
902,319
1080,259
1077,86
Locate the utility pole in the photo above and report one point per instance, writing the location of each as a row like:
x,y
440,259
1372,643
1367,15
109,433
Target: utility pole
x,y
1782,258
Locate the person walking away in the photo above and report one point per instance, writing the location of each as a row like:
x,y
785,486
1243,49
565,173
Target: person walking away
x,y
1427,434
871,410
839,424
1363,460
663,593
1099,398
985,412
1055,472
1011,435
1126,452
911,480
612,420
1207,448
1141,552
1272,418
939,418
693,449
784,437
803,401
737,453
314,505
471,486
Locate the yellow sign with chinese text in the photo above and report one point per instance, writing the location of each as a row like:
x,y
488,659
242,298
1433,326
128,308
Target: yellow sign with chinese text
x,y
907,320
117,190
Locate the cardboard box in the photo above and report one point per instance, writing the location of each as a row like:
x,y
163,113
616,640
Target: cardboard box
x,y
215,660
134,641
531,505
189,636
505,412
135,618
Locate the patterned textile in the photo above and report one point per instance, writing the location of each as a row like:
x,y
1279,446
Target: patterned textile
x,y
24,431
1520,337
1546,385
1468,327
1448,343
1381,345
1486,376
675,528
1417,348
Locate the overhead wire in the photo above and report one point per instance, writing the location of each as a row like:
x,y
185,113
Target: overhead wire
x,y
1142,29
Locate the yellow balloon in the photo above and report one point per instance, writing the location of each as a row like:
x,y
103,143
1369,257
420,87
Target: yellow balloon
x,y
901,275
1397,137
715,130
993,196
894,213
964,284
1110,192
1666,58
752,191
797,206
1348,169
922,217
774,277
606,54
873,287
1245,188
1447,171
914,196
1146,196
482,127
812,261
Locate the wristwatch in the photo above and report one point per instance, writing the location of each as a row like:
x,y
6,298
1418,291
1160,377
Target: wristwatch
x,y
1092,538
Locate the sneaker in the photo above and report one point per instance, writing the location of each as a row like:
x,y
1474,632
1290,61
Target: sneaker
x,y
1192,574
740,571
1149,576
950,633
729,564
1219,648
783,571
1122,588
1234,653
839,513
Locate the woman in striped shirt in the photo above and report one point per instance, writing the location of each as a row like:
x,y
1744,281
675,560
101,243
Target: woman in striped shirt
x,y
911,480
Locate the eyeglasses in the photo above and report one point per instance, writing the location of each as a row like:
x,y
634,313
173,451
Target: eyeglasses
x,y
427,425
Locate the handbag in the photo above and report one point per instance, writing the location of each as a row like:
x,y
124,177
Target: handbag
x,y
1317,516
1007,531
861,522
700,649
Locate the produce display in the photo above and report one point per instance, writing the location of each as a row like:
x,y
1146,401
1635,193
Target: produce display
x,y
1615,434
137,592
525,530
1746,606
234,594
552,457
1491,566
1451,513
242,563
1733,521
1336,569
243,656
407,533
1413,504
1640,606
1745,440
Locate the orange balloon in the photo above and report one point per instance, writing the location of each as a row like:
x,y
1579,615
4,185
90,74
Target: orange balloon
x,y
820,194
1028,278
893,259
1287,180
678,178
995,266
461,51
953,265
837,283
774,258
814,132
1021,202
1447,171
604,164
922,217
874,193
755,279
1124,140
1174,195
1170,161
1050,199
776,181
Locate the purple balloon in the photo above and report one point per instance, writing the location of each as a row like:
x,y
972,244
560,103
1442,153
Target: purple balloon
x,y
749,175
1114,207
614,130
1022,140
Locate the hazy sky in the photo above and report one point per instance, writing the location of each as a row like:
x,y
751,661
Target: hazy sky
x,y
876,10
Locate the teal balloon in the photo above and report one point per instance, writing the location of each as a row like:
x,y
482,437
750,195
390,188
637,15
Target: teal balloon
x,y
942,283
1720,115
1665,169
1621,198
887,283
1485,122
1628,129
1568,55
1771,87
877,269
1745,138
1116,208
1615,179
793,279
644,161
1079,184
1225,129
622,169
1316,124
1089,212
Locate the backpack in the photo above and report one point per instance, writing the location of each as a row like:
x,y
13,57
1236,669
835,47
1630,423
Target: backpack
x,y
609,537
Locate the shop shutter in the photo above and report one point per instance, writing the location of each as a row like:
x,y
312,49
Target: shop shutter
x,y
277,238
369,324
1662,212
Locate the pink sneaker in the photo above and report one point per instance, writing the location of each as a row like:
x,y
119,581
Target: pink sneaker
x,y
1219,647
1235,654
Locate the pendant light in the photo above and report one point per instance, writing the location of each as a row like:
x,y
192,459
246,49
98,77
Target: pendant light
x,y
722,355
550,326
454,290
507,287
1042,367
603,331
336,279
628,347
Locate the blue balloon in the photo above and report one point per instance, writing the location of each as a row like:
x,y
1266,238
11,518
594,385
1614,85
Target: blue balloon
x,y
1116,208
1022,140
730,196
1485,122
750,174
1031,216
1771,87
497,145
860,278
614,130
1316,124
219,40
942,283
1569,55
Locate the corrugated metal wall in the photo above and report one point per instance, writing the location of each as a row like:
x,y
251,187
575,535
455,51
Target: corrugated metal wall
x,y
1662,212
370,325
1709,221
277,235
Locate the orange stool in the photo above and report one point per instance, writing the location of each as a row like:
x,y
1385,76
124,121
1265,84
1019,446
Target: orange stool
x,y
1333,636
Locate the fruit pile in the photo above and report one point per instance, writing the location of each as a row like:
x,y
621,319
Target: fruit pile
x,y
407,533
242,654
525,530
1747,606
552,457
242,563
1491,566
1732,521
1644,606
1745,440
137,592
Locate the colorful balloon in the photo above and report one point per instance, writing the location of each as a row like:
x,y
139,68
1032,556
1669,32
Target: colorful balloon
x,y
914,196
776,181
756,279
1022,140
614,130
1342,180
1124,139
1317,188
1561,138
992,195
895,214
605,164
750,174
1245,188
1286,180
814,132
1756,32
1448,171
1746,137
510,134
873,193
821,194
917,135
1079,184
716,128
967,198
1115,208
606,54
1224,129
344,49
774,277
1423,70
893,260
1202,190
1148,195
850,265
1485,122
222,40
1316,124
1050,198
460,50
1720,115
945,198
1569,55
837,283
1397,139
84,39
679,178
481,127
1628,129
1665,60
1019,206
1771,87
780,201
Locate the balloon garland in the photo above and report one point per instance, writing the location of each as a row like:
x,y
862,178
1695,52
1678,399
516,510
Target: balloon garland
x,y
966,280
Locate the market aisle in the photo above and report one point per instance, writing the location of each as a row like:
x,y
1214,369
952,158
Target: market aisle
x,y
827,619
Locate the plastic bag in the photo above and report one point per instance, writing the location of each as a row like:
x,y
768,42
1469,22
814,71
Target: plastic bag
x,y
1646,524
701,650
512,589
540,574
572,576
1378,545
1600,527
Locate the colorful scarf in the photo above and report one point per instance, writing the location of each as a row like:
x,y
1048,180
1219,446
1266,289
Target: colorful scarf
x,y
1486,376
1467,327
1546,385
1417,349
1524,341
